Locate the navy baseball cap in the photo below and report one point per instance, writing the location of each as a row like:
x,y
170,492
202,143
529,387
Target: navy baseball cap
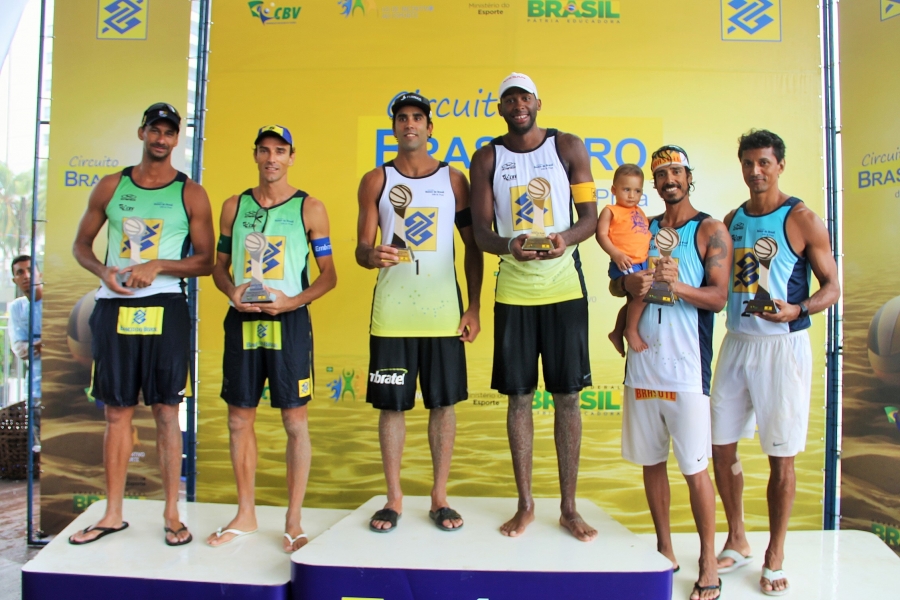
x,y
277,131
161,111
410,99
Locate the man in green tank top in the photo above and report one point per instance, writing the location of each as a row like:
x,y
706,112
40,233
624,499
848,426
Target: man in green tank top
x,y
270,340
140,324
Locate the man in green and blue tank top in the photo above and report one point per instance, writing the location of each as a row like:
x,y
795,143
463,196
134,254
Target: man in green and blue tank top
x,y
270,340
418,325
541,300
764,372
140,325
666,396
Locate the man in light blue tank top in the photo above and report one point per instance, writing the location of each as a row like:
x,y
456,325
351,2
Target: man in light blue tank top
x,y
667,385
141,325
763,374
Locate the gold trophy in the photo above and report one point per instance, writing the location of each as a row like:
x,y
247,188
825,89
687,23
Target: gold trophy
x,y
538,191
765,250
660,291
134,229
401,197
256,293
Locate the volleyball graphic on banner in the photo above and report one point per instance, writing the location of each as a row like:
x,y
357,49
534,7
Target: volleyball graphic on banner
x,y
884,342
78,331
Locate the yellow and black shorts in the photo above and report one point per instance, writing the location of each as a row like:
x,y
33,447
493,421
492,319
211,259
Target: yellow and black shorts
x,y
141,345
260,348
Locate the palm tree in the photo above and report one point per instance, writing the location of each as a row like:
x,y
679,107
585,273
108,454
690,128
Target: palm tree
x,y
16,190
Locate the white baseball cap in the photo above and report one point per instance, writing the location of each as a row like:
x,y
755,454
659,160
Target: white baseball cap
x,y
518,80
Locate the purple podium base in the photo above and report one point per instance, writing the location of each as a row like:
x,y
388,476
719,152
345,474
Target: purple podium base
x,y
418,561
136,563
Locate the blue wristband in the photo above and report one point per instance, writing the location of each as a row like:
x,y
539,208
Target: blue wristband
x,y
321,247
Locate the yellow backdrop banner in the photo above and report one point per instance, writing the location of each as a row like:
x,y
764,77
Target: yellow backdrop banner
x,y
111,60
870,30
626,76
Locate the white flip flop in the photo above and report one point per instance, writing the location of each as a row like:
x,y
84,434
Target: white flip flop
x,y
773,576
293,541
237,533
739,560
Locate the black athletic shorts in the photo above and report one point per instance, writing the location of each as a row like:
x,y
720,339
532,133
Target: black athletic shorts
x,y
394,363
141,344
558,333
260,347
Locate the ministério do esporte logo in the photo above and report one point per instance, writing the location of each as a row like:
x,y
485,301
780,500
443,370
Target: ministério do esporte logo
x,y
274,13
586,11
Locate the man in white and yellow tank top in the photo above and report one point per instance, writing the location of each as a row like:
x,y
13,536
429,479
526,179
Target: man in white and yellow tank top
x,y
418,323
541,304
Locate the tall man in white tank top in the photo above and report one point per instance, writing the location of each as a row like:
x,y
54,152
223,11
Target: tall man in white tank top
x,y
764,371
541,302
418,325
667,385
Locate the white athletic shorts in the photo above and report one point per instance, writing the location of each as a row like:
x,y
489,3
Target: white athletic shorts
x,y
764,380
650,419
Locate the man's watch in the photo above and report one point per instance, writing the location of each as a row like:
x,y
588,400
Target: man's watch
x,y
804,310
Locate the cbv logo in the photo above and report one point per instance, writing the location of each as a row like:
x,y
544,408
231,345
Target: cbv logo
x,y
272,13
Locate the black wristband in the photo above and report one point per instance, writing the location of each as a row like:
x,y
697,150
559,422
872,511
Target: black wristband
x,y
804,310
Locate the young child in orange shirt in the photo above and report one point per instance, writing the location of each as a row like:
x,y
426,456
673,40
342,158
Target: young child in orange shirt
x,y
623,232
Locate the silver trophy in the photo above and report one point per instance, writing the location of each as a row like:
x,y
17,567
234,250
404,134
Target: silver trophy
x,y
256,293
134,229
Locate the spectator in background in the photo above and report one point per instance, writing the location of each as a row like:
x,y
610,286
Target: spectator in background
x,y
18,327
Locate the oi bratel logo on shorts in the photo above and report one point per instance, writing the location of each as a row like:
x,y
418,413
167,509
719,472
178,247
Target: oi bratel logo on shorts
x,y
122,19
751,20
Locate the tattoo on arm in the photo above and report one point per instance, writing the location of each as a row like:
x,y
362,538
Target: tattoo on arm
x,y
716,251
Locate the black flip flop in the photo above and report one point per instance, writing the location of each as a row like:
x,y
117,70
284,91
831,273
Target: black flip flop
x,y
187,540
700,589
445,514
103,531
385,514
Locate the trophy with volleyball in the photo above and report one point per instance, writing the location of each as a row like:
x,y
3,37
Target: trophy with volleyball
x,y
256,293
538,191
133,228
765,250
401,197
660,291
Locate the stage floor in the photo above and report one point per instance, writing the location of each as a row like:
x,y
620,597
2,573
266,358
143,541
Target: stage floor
x,y
820,565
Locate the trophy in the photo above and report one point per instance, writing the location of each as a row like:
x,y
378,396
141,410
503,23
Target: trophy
x,y
401,197
133,228
661,292
256,293
538,191
765,250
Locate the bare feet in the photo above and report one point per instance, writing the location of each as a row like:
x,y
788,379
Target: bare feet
x,y
379,524
240,523
577,527
634,341
615,336
516,526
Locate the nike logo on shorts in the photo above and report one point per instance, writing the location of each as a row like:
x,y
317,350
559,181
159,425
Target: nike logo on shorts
x,y
781,444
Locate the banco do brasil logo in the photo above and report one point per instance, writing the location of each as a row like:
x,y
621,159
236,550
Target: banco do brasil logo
x,y
586,11
122,19
274,13
751,20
